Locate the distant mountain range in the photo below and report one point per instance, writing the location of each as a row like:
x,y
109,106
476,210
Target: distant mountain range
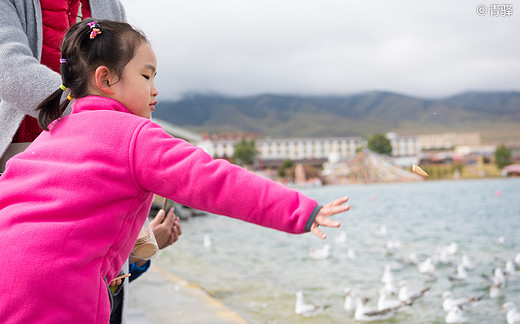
x,y
496,115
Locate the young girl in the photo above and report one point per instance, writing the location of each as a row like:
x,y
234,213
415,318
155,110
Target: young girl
x,y
92,175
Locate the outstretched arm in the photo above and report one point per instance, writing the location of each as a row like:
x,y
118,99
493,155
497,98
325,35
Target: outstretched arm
x,y
322,219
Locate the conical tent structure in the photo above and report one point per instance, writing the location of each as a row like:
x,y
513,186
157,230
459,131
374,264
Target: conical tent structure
x,y
367,167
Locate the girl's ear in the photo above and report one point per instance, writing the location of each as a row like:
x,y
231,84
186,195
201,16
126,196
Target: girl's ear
x,y
103,80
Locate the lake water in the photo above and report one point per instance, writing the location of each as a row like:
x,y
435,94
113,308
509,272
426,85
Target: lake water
x,y
257,271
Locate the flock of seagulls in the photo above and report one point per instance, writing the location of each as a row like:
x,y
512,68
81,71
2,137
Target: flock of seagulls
x,y
395,296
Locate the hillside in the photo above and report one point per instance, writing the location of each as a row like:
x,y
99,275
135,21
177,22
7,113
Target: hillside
x,y
496,115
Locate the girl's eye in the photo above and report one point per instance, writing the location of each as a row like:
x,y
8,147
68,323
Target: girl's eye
x,y
146,77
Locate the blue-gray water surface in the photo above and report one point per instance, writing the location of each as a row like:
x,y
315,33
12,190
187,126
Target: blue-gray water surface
x,y
257,271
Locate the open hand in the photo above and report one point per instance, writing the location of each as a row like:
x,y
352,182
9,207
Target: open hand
x,y
325,212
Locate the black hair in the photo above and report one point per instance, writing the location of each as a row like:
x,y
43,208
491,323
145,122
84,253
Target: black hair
x,y
81,55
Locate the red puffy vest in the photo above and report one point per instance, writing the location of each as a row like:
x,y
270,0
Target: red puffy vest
x,y
57,17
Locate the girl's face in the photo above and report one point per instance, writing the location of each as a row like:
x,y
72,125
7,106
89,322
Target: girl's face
x,y
136,89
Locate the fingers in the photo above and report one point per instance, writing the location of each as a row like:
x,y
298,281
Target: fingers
x,y
173,232
178,225
170,217
335,207
316,231
340,201
174,237
159,217
115,283
325,221
171,240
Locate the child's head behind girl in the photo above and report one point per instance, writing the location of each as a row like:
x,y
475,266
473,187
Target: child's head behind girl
x,y
104,58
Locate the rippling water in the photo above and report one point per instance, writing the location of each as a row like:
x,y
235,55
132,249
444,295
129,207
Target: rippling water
x,y
256,271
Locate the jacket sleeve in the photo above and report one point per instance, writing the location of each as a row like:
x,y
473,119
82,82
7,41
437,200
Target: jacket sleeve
x,y
25,82
177,170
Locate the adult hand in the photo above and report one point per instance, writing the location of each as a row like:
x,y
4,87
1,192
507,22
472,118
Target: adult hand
x,y
325,212
166,228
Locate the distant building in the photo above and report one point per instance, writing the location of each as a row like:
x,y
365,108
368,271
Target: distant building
x,y
434,148
295,149
338,148
484,150
416,144
219,148
448,140
404,145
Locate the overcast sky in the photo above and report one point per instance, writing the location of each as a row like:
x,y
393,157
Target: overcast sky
x,y
428,49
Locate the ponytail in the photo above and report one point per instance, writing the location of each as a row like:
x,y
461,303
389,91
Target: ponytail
x,y
50,109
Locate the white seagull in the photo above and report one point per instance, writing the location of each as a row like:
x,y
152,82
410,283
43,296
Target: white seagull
x,y
453,248
351,254
385,301
456,315
366,313
341,239
350,300
320,254
497,283
390,287
410,260
443,256
510,271
392,246
444,253
427,267
387,274
382,231
466,262
449,302
499,240
406,295
304,309
461,276
513,316
207,242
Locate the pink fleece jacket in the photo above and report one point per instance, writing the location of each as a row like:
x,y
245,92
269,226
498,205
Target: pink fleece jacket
x,y
72,205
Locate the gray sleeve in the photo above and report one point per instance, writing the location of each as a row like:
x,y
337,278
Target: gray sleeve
x,y
25,82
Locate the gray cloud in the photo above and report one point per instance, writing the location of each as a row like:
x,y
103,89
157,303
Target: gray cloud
x,y
245,47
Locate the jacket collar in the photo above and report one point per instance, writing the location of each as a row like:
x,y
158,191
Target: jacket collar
x,y
92,103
